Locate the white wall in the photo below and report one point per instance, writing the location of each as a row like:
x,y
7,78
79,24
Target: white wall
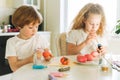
x,y
52,20
5,10
114,44
2,3
5,17
118,10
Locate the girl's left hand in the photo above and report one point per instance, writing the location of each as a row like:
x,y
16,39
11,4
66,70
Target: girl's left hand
x,y
101,50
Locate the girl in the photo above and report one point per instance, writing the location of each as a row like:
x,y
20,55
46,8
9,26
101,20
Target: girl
x,y
87,31
20,49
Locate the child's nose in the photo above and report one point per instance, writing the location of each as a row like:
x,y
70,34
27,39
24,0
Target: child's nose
x,y
34,30
93,27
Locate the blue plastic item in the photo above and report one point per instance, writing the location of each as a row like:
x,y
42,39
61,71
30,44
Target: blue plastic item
x,y
39,66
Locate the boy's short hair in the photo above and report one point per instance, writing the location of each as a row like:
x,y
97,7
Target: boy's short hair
x,y
25,15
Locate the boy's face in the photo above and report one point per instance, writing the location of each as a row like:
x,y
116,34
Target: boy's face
x,y
92,22
29,30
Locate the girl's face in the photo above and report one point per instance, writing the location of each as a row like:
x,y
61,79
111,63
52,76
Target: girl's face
x,y
28,30
92,22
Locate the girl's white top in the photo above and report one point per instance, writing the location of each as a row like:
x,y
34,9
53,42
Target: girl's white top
x,y
78,36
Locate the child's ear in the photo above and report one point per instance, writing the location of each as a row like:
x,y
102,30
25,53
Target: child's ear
x,y
84,20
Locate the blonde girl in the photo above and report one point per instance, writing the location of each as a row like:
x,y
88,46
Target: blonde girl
x,y
87,31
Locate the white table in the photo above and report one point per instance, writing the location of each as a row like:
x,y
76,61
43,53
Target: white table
x,y
6,77
77,72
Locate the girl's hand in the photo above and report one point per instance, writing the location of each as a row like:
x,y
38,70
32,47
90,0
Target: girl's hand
x,y
101,50
92,35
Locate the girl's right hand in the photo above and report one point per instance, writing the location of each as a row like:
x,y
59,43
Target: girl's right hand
x,y
92,35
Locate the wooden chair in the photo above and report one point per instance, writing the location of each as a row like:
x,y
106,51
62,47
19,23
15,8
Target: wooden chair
x,y
61,44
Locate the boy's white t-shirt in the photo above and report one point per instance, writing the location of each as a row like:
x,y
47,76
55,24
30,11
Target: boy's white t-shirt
x,y
25,48
78,36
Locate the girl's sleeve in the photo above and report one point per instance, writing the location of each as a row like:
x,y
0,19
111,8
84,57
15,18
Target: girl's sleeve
x,y
72,37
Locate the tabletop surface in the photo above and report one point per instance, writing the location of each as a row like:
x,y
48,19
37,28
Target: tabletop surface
x,y
77,72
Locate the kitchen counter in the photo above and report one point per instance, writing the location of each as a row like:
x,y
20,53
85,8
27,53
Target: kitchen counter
x,y
15,33
8,34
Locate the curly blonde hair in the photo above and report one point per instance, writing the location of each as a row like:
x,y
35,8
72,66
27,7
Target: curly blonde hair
x,y
83,14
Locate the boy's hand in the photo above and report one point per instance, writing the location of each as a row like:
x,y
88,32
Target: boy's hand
x,y
47,55
39,53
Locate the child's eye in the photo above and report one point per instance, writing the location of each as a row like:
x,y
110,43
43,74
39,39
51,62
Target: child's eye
x,y
36,26
91,24
30,27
